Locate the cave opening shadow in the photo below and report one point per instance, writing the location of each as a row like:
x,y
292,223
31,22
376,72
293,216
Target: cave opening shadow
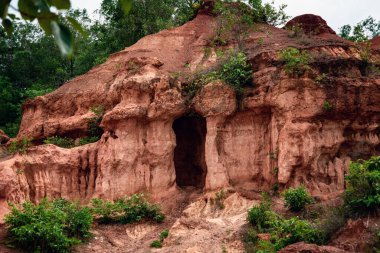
x,y
189,153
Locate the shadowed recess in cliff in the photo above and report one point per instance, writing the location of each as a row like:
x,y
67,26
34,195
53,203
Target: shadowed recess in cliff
x,y
189,154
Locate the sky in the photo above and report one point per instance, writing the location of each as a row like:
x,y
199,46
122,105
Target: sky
x,y
336,12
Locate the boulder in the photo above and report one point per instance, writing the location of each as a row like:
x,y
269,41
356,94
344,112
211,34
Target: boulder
x,y
310,24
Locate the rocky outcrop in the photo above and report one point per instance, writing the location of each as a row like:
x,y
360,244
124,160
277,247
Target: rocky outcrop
x,y
375,45
310,24
286,130
310,248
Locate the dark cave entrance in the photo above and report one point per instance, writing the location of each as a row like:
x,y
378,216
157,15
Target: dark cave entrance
x,y
189,153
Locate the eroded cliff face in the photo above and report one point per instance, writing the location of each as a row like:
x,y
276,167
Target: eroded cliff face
x,y
281,134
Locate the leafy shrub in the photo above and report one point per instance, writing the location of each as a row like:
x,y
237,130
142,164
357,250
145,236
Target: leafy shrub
x,y
297,198
63,142
19,146
164,234
327,106
260,216
268,13
288,231
193,88
362,194
282,231
219,199
235,70
156,244
296,61
126,210
51,226
233,24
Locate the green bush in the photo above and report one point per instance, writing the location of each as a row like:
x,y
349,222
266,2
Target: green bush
x,y
362,194
327,106
268,13
156,244
288,231
296,61
261,215
126,210
282,231
297,198
51,226
19,146
63,142
164,234
235,70
219,199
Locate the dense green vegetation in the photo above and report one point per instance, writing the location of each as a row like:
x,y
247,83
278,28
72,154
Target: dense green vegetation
x,y
296,61
51,226
297,198
19,146
55,226
362,195
126,210
234,69
282,231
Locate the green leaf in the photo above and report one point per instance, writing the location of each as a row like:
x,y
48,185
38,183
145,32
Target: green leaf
x,y
4,4
8,26
77,26
12,16
63,38
61,4
126,5
46,25
28,9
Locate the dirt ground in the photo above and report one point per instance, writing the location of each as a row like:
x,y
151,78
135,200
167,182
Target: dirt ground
x,y
197,225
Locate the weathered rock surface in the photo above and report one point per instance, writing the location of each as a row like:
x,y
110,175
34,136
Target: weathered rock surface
x,y
302,247
310,24
281,134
